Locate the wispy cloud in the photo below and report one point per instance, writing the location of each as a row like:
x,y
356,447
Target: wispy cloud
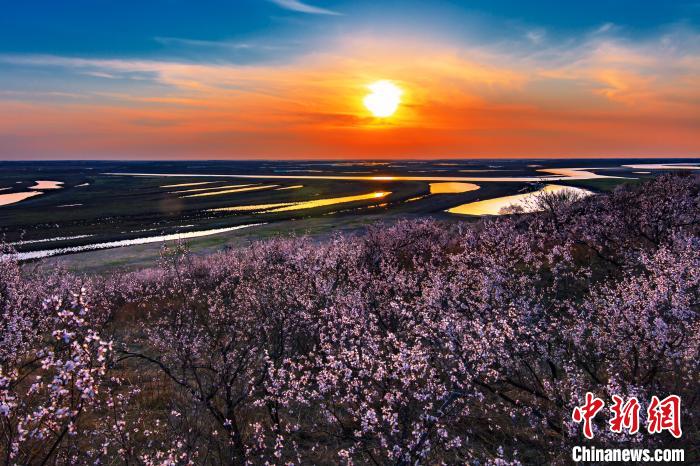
x,y
301,7
100,74
536,36
201,43
243,52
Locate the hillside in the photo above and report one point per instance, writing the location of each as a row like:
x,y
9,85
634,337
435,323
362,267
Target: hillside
x,y
417,343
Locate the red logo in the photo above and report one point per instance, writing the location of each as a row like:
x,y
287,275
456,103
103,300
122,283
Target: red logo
x,y
661,415
587,412
625,416
665,415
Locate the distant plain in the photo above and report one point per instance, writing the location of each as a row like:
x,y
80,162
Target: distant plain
x,y
101,202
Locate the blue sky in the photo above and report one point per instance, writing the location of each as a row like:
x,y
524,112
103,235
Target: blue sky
x,y
136,28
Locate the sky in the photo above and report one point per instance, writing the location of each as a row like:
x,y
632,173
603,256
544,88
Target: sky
x,y
286,79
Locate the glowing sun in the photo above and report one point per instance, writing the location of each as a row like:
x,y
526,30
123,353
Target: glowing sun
x,y
384,99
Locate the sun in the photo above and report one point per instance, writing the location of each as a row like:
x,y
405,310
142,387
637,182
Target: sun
x,y
384,99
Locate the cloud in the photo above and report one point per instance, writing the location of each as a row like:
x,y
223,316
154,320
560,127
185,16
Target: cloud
x,y
100,74
536,36
243,52
606,27
301,7
592,95
201,43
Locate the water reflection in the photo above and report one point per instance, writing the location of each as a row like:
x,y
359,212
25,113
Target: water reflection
x,y
47,184
48,240
7,199
452,188
516,203
332,201
231,191
184,185
211,188
13,198
552,174
490,170
287,206
665,166
127,242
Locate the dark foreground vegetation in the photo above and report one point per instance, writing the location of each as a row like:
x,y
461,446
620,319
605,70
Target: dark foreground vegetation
x,y
417,343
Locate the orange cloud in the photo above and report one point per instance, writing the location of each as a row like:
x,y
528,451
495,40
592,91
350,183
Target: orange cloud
x,y
600,98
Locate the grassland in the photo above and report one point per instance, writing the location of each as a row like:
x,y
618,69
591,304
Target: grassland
x,y
95,206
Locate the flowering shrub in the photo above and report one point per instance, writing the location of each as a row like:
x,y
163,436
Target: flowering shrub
x,y
417,343
48,387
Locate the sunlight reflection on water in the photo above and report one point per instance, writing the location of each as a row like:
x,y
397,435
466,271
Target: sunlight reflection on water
x,y
232,191
452,188
47,184
211,188
287,206
526,202
7,199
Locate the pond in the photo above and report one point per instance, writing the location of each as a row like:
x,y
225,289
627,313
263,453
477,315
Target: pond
x,y
12,198
232,191
38,189
453,187
47,184
288,206
521,202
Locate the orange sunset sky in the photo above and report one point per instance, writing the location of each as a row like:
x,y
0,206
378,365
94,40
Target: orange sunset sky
x,y
292,84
